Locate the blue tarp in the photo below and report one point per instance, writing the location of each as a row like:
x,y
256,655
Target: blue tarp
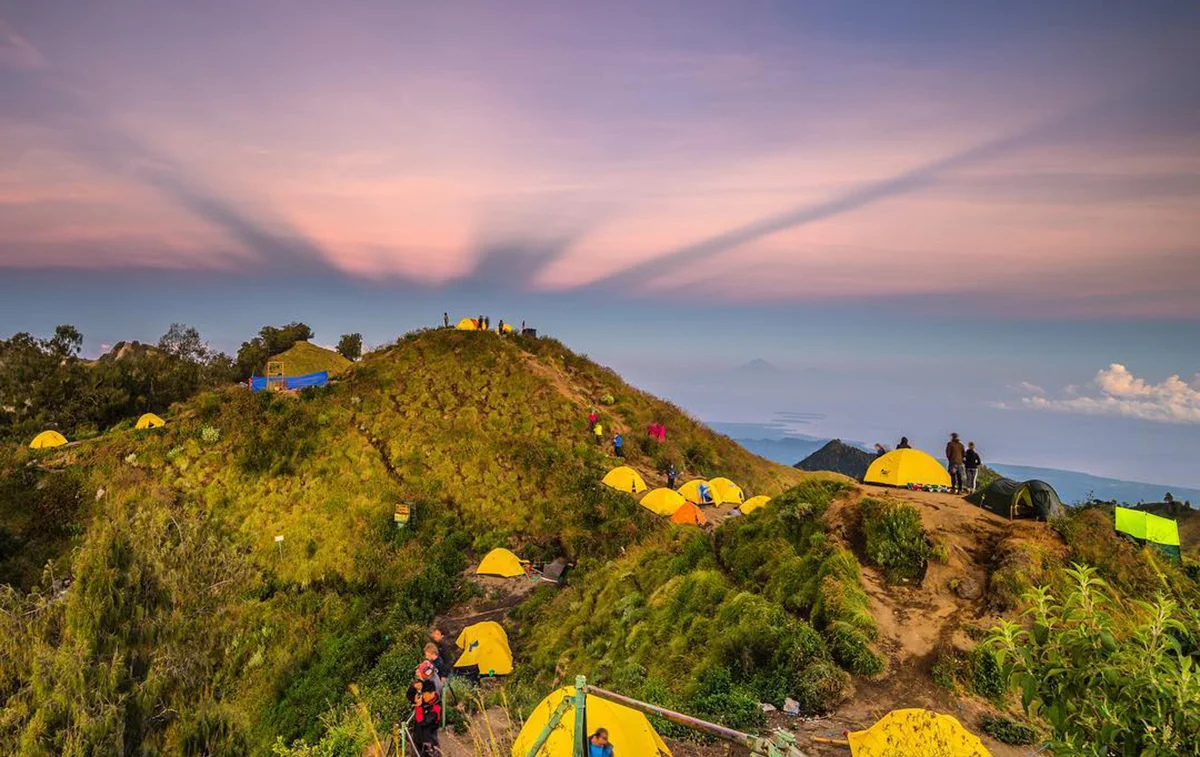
x,y
320,378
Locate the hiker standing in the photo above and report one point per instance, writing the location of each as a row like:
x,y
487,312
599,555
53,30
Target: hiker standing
x,y
445,320
479,323
618,445
593,418
880,450
972,461
427,711
904,443
598,432
500,327
955,456
671,476
445,650
598,745
522,327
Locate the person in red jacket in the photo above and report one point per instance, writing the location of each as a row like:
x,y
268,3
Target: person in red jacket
x,y
427,711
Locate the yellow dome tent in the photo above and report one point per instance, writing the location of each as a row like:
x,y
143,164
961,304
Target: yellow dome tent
x,y
915,733
625,479
468,324
485,646
728,491
48,439
902,467
629,731
500,562
699,491
753,504
663,501
150,420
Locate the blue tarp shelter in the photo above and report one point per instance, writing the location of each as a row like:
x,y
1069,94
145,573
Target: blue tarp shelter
x,y
320,378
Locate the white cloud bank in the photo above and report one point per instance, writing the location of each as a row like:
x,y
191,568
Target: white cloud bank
x,y
1119,392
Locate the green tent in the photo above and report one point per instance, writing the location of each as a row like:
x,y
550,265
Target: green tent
x,y
1019,499
1161,532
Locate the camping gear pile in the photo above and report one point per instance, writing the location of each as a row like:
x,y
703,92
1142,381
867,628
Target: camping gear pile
x,y
933,488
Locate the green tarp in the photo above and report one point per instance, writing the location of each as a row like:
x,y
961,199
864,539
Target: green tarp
x,y
1143,526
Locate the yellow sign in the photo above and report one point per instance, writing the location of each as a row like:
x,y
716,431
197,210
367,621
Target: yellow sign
x,y
402,513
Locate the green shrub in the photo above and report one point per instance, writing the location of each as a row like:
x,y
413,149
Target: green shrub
x,y
1105,673
1007,731
850,649
987,680
894,539
821,687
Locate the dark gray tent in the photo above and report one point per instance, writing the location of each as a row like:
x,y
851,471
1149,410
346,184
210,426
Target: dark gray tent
x,y
1019,499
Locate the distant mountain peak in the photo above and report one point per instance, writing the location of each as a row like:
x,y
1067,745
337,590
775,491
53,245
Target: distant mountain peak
x,y
760,367
838,457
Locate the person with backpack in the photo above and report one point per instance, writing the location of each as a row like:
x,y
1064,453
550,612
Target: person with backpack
x,y
904,443
671,475
427,711
598,432
619,445
972,461
955,456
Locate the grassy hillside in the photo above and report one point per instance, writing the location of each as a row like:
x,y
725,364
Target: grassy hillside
x,y
170,619
305,357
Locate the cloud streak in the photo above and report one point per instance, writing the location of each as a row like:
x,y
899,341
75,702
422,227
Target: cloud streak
x,y
91,135
1118,392
1170,96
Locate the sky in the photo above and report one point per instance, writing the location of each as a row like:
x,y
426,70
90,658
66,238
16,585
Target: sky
x,y
924,217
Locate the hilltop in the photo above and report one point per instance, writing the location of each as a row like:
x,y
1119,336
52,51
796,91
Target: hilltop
x,y
305,357
252,537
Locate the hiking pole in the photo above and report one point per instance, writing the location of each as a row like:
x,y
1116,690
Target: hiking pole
x,y
781,744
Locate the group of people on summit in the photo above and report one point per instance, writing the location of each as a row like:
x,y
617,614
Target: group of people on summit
x,y
962,462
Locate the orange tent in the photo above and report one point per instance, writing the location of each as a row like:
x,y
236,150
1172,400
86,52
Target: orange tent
x,y
689,515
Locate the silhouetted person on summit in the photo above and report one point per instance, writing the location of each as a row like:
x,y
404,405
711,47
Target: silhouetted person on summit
x,y
955,457
904,443
972,461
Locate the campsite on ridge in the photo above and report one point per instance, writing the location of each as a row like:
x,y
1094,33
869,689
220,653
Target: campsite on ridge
x,y
260,538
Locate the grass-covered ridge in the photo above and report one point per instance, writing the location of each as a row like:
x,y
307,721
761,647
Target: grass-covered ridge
x,y
171,620
306,357
767,608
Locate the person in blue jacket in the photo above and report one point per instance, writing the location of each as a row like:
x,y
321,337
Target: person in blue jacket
x,y
598,745
619,445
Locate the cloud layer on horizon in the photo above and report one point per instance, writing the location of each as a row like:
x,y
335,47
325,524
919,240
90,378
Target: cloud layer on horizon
x,y
1118,392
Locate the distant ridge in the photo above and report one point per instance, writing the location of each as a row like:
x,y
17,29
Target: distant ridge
x,y
838,457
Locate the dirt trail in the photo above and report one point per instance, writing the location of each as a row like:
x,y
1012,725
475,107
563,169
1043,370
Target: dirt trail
x,y
916,619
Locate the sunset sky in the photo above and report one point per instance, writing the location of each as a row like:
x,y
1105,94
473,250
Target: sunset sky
x,y
927,216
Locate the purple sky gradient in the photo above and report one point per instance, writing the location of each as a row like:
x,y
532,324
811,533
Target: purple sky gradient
x,y
1028,171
